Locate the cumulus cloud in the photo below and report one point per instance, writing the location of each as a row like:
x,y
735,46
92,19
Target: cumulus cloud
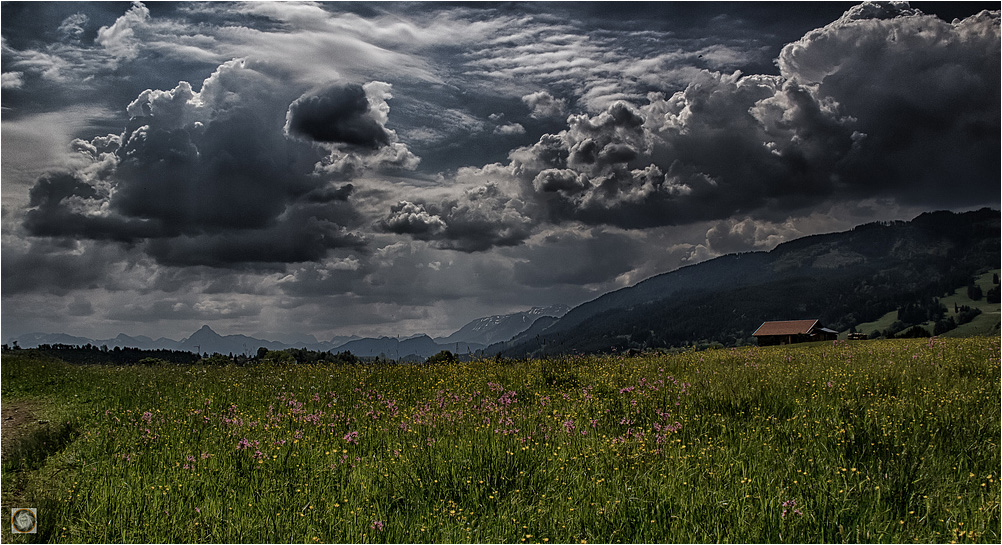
x,y
543,104
206,177
356,134
12,80
885,102
483,217
509,129
121,38
739,235
337,115
283,176
413,219
923,91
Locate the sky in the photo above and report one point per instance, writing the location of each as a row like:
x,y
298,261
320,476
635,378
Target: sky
x,y
379,168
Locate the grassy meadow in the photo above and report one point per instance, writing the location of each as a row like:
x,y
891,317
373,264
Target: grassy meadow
x,y
863,441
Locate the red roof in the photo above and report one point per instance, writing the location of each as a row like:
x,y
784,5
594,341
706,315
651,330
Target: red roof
x,y
789,327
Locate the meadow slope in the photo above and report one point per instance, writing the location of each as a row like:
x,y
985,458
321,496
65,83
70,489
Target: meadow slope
x,y
868,441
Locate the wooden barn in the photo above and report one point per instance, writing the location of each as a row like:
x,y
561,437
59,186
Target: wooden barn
x,y
792,331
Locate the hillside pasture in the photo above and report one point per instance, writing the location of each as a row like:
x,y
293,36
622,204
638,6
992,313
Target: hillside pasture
x,y
871,441
986,323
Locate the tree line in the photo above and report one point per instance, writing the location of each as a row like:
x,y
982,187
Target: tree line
x,y
90,354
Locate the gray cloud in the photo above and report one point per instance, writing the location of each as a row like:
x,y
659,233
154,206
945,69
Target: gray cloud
x,y
337,115
12,80
577,259
121,39
276,188
509,129
55,267
80,307
922,90
482,218
205,178
413,219
854,115
543,104
73,27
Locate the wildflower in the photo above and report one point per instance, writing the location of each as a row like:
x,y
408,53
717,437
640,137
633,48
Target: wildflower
x,y
377,525
351,437
790,506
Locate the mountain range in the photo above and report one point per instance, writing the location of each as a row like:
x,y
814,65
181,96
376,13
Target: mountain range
x,y
843,279
474,336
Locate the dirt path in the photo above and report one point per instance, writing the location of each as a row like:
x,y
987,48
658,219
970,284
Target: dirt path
x,y
17,419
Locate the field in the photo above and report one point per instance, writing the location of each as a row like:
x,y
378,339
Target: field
x,y
864,441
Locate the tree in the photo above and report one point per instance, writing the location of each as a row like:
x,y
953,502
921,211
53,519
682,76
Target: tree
x,y
967,314
217,359
279,357
914,332
944,325
993,295
974,292
442,357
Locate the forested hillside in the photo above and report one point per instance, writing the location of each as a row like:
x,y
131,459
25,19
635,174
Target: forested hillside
x,y
844,279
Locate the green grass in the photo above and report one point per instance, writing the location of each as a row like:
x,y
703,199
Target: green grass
x,y
987,323
881,441
880,324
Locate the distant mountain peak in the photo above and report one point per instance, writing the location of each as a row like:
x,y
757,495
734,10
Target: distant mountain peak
x,y
205,331
502,327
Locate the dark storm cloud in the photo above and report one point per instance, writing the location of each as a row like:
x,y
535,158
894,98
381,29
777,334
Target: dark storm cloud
x,y
306,233
57,199
536,152
330,194
225,175
883,103
923,91
55,187
336,115
206,178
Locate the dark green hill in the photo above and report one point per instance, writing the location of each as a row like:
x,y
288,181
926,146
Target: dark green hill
x,y
843,279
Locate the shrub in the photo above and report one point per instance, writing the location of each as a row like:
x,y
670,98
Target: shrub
x,y
444,356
